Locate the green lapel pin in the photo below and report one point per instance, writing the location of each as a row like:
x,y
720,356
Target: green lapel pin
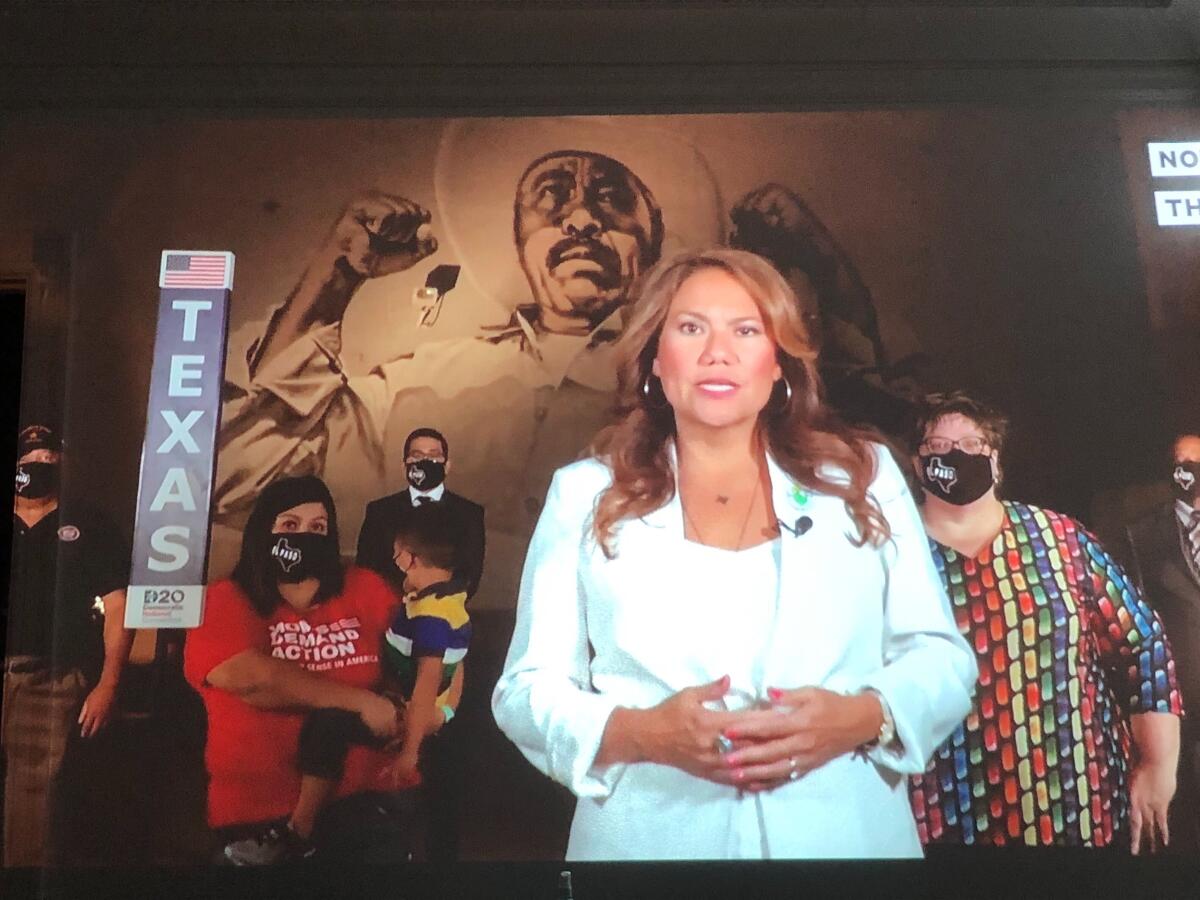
x,y
799,495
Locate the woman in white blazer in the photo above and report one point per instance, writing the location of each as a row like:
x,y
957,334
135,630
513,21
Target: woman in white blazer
x,y
731,642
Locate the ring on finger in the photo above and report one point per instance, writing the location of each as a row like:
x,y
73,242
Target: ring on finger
x,y
793,768
722,744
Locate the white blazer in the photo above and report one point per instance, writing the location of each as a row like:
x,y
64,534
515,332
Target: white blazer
x,y
593,634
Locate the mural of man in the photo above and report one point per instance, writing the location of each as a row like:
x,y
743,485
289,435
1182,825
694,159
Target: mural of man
x,y
519,399
516,401
584,226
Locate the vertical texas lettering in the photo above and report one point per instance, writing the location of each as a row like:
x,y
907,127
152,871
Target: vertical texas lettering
x,y
178,451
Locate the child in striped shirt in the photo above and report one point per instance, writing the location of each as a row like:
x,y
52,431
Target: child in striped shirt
x,y
422,652
429,632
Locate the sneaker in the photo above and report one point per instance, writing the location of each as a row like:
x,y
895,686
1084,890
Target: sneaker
x,y
278,844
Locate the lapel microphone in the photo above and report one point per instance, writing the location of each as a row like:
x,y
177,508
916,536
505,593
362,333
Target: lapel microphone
x,y
803,524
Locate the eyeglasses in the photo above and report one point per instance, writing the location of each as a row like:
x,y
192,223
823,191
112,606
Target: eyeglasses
x,y
971,445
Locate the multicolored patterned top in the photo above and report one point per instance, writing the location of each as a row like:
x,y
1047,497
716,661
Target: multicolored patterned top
x,y
1067,650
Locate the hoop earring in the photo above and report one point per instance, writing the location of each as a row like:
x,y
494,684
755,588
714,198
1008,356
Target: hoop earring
x,y
649,398
781,408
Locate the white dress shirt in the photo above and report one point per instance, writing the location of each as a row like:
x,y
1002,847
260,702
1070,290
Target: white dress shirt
x,y
593,634
433,494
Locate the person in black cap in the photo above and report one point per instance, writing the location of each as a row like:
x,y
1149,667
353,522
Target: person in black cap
x,y
67,641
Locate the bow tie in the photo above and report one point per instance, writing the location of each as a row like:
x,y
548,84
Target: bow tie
x,y
418,501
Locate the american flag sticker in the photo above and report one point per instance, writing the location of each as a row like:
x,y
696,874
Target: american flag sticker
x,y
196,269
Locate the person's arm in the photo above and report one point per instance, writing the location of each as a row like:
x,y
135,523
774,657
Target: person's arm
x,y
544,700
679,732
454,694
419,718
377,234
265,682
805,728
1152,782
929,670
281,386
1137,656
98,706
926,680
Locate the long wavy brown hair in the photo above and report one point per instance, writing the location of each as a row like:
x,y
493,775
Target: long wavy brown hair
x,y
800,432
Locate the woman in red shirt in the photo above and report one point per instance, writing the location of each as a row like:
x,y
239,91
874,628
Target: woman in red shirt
x,y
291,631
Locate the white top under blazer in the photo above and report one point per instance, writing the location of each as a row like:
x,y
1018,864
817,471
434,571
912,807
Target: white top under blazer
x,y
592,634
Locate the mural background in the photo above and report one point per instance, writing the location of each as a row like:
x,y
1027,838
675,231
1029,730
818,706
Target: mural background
x,y
1014,249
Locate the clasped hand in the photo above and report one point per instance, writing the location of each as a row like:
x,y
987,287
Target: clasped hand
x,y
800,731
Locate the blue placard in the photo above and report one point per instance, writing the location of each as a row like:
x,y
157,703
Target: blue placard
x,y
170,535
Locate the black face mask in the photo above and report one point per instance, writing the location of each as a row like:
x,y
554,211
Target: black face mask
x,y
401,572
1186,479
36,480
296,556
426,474
956,477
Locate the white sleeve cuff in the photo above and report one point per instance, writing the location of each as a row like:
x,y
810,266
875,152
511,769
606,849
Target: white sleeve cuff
x,y
586,779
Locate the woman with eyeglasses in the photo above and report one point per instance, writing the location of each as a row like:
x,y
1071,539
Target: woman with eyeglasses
x,y
1073,735
730,640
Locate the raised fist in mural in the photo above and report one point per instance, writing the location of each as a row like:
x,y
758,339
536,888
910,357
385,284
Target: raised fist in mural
x,y
376,234
774,222
772,217
380,234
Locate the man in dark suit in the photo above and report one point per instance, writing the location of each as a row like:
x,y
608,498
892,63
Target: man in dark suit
x,y
426,463
1165,556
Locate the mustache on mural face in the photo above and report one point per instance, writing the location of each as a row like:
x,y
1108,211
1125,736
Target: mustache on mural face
x,y
584,248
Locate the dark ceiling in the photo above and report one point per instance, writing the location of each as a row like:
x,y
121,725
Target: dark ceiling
x,y
512,56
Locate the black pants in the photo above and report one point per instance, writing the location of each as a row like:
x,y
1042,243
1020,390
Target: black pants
x,y
371,827
441,768
326,738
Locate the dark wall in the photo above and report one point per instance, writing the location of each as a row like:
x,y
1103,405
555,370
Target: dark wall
x,y
587,56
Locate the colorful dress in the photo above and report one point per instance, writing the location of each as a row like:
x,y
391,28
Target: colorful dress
x,y
1067,651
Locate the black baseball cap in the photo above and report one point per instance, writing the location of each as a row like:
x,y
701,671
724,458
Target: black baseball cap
x,y
38,437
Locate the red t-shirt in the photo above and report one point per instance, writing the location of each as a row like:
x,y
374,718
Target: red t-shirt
x,y
251,753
